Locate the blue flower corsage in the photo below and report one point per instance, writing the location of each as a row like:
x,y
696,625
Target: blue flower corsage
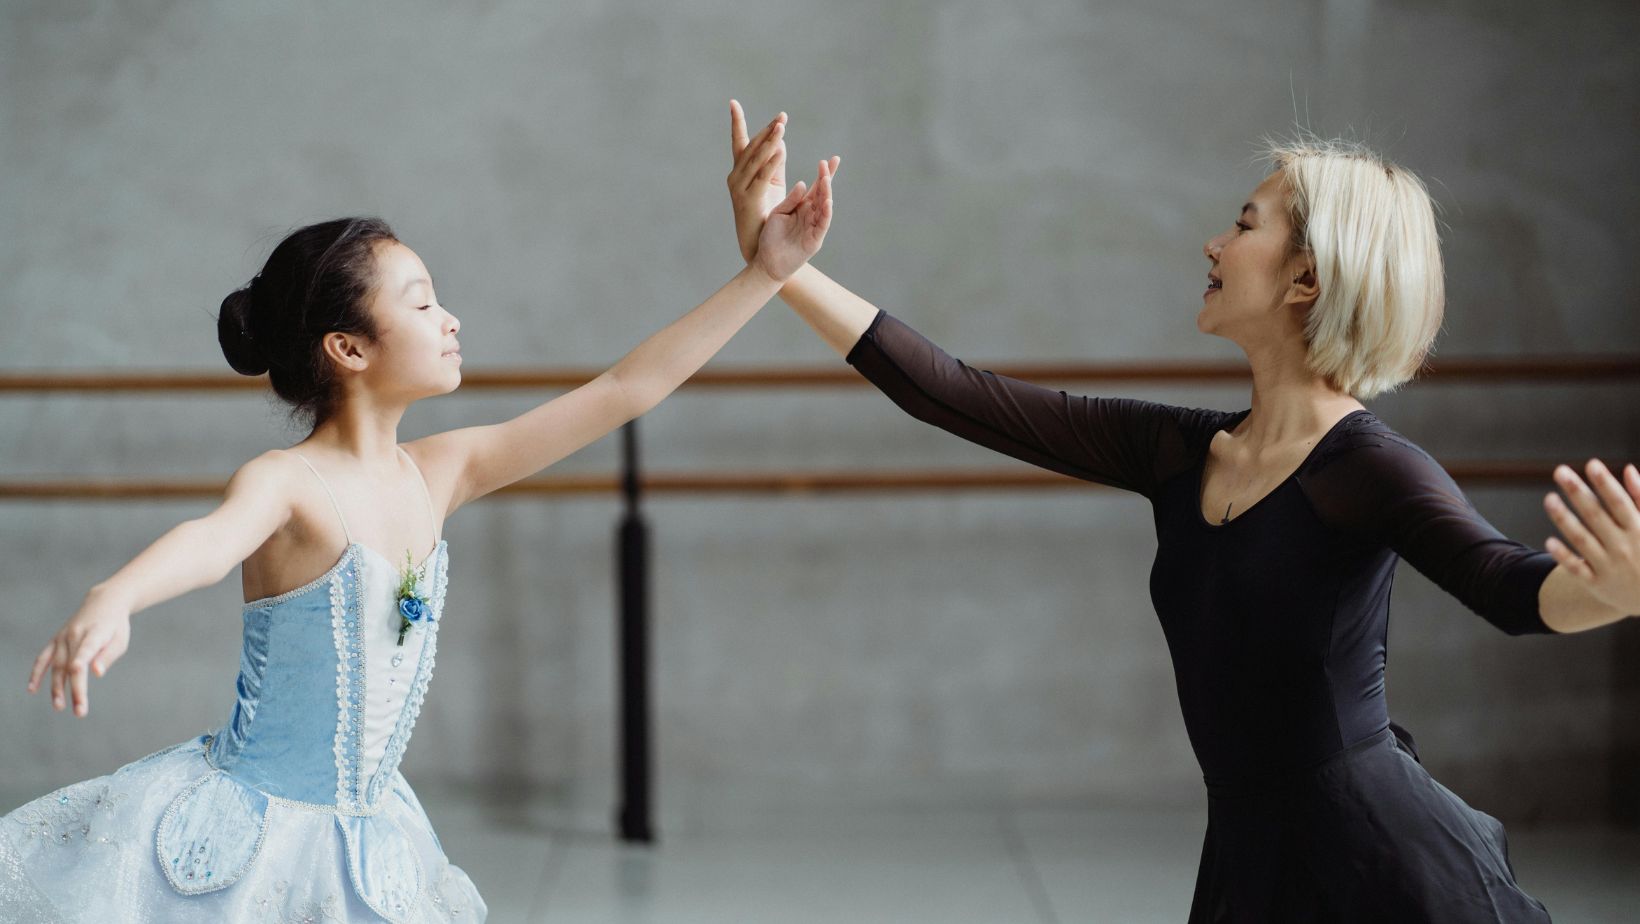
x,y
413,607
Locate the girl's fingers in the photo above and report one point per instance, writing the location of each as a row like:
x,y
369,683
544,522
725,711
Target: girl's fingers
x,y
77,684
1631,480
1569,561
104,659
1619,506
41,661
59,674
792,200
822,196
1580,539
737,129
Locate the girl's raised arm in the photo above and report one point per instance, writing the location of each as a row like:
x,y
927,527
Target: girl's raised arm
x,y
193,554
479,460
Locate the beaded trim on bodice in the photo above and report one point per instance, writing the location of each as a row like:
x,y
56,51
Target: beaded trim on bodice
x,y
359,785
378,675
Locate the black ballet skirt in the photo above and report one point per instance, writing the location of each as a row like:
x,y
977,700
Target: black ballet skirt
x,y
1318,809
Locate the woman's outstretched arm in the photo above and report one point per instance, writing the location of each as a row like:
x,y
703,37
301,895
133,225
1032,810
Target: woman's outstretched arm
x,y
1120,442
481,459
1390,492
193,554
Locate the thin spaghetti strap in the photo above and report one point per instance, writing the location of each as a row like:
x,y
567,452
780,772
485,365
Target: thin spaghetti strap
x,y
332,497
425,493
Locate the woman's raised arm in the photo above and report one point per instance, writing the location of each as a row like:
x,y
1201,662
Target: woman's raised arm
x,y
1121,442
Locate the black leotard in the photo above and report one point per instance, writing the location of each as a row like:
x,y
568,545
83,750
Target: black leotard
x,y
1276,621
1317,809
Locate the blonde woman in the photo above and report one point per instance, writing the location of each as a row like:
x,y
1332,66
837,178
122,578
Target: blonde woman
x,y
1278,530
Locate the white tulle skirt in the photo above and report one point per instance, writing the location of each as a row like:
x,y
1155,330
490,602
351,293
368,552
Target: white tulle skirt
x,y
91,852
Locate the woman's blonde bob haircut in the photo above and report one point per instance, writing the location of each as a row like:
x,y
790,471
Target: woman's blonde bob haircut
x,y
1369,225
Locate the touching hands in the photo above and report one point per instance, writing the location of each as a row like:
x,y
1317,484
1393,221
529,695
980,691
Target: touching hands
x,y
757,182
1601,526
93,638
795,228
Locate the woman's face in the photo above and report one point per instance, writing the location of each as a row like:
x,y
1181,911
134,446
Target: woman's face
x,y
1255,273
415,353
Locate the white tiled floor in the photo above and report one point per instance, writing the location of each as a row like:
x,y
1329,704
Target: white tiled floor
x,y
861,864
758,860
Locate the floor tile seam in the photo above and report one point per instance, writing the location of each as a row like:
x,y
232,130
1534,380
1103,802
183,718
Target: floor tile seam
x,y
557,858
1036,889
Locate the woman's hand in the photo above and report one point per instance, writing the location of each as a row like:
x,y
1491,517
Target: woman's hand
x,y
757,181
95,637
795,228
1602,530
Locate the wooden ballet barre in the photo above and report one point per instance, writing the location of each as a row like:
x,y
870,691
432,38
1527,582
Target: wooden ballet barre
x,y
1504,472
1484,369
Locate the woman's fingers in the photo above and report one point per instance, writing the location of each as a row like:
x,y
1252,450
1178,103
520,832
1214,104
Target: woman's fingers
x,y
770,167
737,129
1566,558
1619,506
743,157
1579,537
760,154
755,153
1586,503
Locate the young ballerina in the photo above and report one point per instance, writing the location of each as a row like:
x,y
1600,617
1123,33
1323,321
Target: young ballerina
x,y
1278,530
294,810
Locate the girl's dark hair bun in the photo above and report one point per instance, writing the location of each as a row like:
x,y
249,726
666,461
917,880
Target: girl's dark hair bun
x,y
234,333
317,280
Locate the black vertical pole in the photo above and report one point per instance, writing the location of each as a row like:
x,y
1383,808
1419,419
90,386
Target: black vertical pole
x,y
632,551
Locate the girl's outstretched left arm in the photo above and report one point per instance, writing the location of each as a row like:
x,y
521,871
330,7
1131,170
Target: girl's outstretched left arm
x,y
193,554
478,460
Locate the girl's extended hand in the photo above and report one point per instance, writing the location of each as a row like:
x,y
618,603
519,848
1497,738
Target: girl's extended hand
x,y
757,181
1602,530
94,637
795,227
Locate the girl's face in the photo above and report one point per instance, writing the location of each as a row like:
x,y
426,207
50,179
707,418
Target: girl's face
x,y
415,354
1258,283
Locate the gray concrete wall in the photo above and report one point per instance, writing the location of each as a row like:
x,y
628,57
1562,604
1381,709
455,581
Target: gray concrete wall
x,y
1025,182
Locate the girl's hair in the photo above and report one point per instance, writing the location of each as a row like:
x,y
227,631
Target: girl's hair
x,y
1370,227
317,281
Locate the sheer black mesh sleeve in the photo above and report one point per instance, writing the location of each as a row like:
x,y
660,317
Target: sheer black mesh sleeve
x,y
1383,488
1121,442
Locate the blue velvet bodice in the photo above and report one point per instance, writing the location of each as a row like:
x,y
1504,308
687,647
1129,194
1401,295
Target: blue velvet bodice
x,y
298,726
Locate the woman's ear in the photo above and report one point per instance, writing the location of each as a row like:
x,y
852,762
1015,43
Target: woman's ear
x,y
345,350
1302,286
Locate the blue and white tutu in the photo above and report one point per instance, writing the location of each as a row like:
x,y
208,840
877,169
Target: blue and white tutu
x,y
293,811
